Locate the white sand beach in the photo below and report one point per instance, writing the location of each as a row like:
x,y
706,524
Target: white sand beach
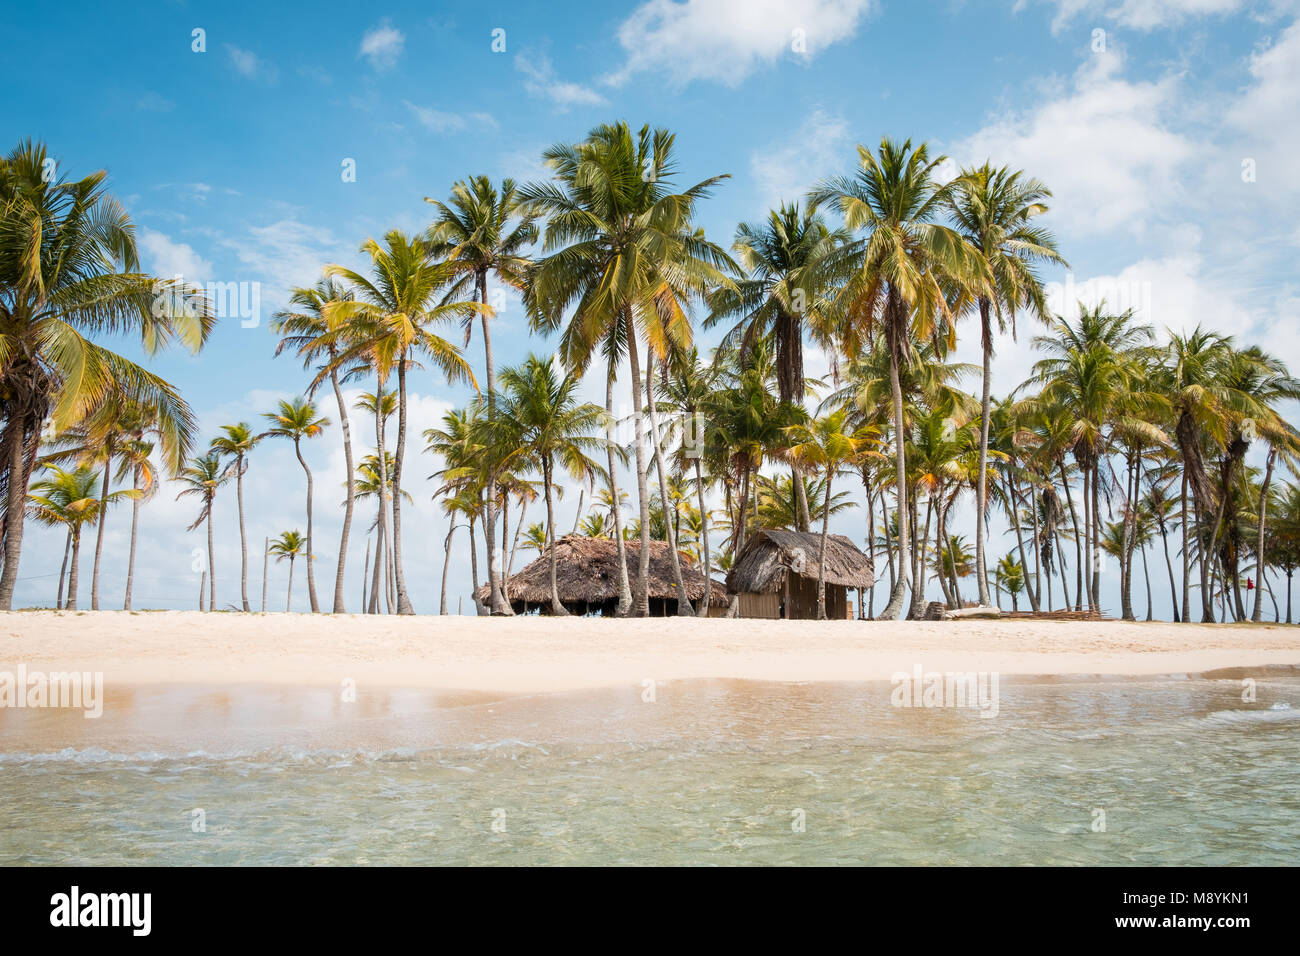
x,y
544,654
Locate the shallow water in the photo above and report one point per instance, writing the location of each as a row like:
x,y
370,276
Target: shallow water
x,y
710,772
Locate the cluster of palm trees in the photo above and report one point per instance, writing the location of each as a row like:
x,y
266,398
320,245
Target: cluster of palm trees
x,y
1121,446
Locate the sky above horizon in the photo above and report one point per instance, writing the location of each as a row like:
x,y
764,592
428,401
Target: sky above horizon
x,y
1166,130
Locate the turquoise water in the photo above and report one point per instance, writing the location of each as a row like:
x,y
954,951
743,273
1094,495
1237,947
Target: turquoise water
x,y
711,772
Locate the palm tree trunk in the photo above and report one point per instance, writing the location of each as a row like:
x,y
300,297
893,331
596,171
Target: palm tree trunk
x,y
800,498
1096,537
1256,614
446,563
556,607
624,588
135,532
1187,549
981,480
479,607
895,605
496,601
514,543
266,565
1014,500
399,575
377,571
243,540
684,608
99,533
1146,576
1126,553
63,568
288,600
365,576
1169,565
311,579
1032,498
1078,537
705,567
19,474
821,550
212,568
340,605
73,571
641,593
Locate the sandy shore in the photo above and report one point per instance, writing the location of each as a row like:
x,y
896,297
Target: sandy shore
x,y
547,654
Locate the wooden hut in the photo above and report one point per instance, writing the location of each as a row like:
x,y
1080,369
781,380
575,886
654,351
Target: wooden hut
x,y
586,576
775,575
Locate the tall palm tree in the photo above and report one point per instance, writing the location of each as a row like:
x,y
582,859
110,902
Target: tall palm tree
x,y
484,231
541,420
297,420
829,445
908,274
289,545
235,446
995,209
68,499
202,478
784,291
468,453
390,318
304,328
623,258
370,482
69,270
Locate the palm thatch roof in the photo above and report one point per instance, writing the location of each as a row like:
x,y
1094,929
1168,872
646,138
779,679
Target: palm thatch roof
x,y
587,574
769,555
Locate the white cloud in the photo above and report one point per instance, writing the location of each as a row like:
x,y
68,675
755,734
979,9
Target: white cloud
x,y
248,64
1105,148
542,82
152,102
382,45
726,40
1137,14
165,258
787,169
443,122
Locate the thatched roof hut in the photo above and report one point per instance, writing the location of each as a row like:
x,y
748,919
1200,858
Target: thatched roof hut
x,y
776,574
587,578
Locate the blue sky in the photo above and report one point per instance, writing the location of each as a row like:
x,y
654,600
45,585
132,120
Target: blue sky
x,y
1143,116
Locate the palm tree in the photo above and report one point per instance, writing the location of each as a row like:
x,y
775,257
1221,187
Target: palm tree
x,y
390,318
994,209
68,499
536,537
369,482
542,422
235,445
482,232
829,446
908,273
468,455
289,545
202,477
305,328
1010,576
68,269
784,291
623,259
297,420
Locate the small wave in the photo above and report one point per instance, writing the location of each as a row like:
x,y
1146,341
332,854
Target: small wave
x,y
1279,712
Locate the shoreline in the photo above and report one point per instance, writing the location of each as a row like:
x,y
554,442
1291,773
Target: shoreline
x,y
541,655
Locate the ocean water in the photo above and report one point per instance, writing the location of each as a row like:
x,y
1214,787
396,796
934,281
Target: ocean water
x,y
1070,771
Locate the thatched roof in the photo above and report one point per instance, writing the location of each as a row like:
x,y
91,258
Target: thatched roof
x,y
768,555
587,573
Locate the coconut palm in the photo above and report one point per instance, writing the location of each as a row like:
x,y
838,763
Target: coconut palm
x,y
540,420
304,328
370,482
908,275
235,446
622,259
1009,575
297,420
389,321
483,232
69,270
202,478
289,545
784,291
995,209
68,499
829,445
